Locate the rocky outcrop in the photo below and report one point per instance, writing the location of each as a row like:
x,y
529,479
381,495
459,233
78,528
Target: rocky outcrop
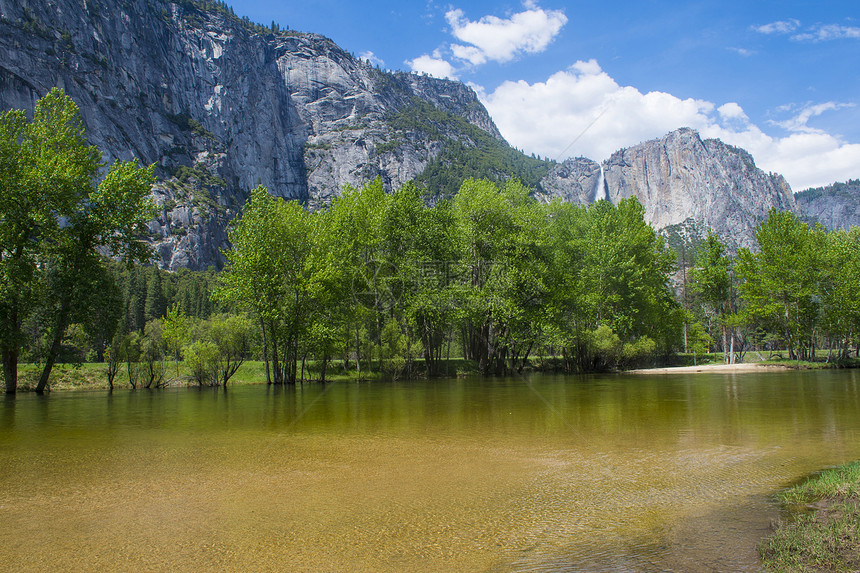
x,y
220,105
836,206
681,178
576,181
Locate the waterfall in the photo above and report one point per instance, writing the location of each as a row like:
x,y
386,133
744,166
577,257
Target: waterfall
x,y
600,190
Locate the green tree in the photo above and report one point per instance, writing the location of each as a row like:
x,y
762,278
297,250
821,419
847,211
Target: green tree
x,y
712,283
53,217
365,276
779,283
201,357
271,271
152,354
840,288
156,304
503,258
174,328
232,336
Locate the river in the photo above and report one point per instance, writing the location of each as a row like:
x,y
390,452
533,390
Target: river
x,y
545,473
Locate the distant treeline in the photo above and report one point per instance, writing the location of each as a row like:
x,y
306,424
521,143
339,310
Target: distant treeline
x,y
383,282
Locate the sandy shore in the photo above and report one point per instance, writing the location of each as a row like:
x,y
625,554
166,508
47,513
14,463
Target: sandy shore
x,y
713,368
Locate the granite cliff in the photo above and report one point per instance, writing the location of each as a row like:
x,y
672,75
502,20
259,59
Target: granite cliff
x,y
836,206
681,180
222,105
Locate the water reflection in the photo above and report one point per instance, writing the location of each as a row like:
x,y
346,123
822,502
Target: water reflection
x,y
549,474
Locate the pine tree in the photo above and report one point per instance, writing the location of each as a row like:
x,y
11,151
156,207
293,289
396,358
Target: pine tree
x,y
156,304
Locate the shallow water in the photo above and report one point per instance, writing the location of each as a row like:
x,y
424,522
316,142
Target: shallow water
x,y
609,473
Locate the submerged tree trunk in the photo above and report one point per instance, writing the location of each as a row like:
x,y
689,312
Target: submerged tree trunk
x,y
10,369
324,366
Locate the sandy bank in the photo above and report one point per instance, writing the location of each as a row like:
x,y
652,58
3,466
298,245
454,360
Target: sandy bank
x,y
711,368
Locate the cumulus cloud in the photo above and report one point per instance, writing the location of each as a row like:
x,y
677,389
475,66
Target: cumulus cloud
x,y
779,27
583,111
501,40
433,65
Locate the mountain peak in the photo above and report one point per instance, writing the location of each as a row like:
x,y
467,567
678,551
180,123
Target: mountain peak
x,y
680,177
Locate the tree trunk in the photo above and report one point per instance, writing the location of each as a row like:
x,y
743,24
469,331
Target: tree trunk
x,y
56,343
10,369
324,366
265,354
732,346
358,352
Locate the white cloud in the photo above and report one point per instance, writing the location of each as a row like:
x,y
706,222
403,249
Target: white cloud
x,y
743,52
501,40
471,54
372,58
829,32
583,111
779,27
433,65
732,111
799,123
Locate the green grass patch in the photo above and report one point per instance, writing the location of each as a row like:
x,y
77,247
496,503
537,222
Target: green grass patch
x,y
821,527
843,481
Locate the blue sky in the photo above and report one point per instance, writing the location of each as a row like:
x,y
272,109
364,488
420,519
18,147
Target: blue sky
x,y
778,78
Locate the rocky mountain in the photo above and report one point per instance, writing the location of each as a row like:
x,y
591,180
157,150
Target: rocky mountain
x,y
222,105
836,206
683,182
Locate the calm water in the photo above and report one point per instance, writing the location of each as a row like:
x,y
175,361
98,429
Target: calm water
x,y
647,473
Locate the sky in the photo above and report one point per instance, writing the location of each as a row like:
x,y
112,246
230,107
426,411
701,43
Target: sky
x,y
779,78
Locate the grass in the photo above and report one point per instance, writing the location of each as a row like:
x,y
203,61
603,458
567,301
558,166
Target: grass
x,y
821,531
93,376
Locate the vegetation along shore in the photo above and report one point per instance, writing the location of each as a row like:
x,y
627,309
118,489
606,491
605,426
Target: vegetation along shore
x,y
389,284
820,530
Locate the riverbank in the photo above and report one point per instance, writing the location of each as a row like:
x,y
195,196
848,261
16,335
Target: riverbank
x,y
761,366
93,376
820,530
714,368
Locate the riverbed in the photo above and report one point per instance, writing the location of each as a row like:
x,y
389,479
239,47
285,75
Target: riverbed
x,y
669,472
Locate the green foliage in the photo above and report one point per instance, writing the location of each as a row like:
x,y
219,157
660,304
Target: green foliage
x,y
839,287
698,340
779,282
384,281
201,359
55,220
233,337
276,272
174,329
197,174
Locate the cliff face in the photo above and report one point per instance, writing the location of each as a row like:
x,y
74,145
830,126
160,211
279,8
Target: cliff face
x,y
678,178
836,206
220,106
